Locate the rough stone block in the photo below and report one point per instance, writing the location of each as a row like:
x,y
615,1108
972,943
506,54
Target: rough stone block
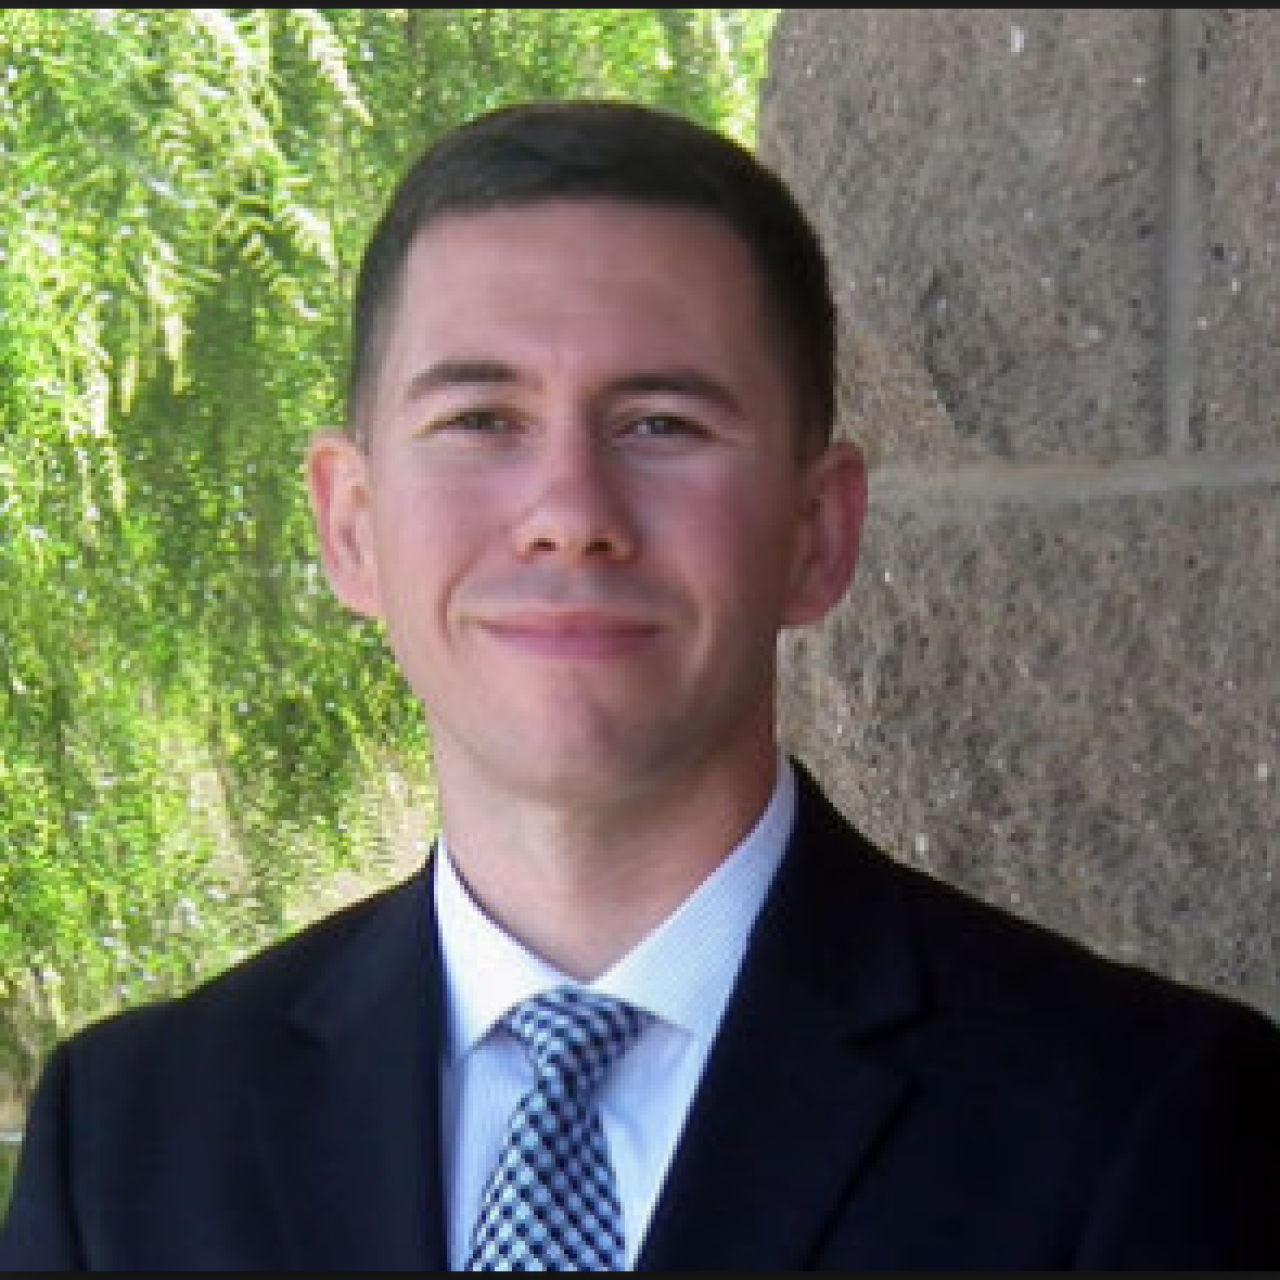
x,y
1069,708
1236,340
989,184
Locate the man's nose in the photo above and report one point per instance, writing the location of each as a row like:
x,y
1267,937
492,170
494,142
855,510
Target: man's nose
x,y
578,504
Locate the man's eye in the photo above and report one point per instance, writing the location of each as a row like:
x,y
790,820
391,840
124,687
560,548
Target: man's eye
x,y
664,424
471,422
486,420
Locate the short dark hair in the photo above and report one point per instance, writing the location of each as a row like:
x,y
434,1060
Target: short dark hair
x,y
592,148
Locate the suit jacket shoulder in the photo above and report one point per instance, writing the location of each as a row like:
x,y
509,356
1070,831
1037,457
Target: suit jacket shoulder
x,y
908,1077
283,1115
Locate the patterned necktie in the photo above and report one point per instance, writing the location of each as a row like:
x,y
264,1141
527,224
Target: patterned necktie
x,y
551,1203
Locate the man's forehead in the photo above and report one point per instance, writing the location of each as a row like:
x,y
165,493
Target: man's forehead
x,y
579,219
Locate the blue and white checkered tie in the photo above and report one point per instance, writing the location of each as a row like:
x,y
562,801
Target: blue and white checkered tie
x,y
551,1203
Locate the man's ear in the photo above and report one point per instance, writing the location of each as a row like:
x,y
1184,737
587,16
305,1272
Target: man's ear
x,y
830,533
338,482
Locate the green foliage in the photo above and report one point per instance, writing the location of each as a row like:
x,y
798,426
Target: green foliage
x,y
8,1163
194,739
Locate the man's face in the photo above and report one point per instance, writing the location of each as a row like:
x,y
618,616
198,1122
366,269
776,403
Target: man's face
x,y
581,514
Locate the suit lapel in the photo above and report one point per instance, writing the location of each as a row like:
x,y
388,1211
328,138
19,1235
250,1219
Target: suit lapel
x,y
791,1105
349,1121
794,1098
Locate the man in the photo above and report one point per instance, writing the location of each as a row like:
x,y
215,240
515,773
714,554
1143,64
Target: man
x,y
587,479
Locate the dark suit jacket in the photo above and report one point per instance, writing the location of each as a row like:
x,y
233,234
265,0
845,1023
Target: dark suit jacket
x,y
905,1078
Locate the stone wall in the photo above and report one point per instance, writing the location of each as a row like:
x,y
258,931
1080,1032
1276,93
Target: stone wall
x,y
1056,679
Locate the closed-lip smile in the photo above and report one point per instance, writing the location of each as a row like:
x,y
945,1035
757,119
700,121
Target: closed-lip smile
x,y
570,633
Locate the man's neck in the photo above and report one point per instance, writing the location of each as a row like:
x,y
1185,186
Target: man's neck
x,y
581,885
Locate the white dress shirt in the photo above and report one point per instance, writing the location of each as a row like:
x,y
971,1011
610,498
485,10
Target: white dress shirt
x,y
681,975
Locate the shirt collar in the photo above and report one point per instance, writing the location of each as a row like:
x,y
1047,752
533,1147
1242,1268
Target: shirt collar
x,y
682,972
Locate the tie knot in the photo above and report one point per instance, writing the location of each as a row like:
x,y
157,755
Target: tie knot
x,y
574,1036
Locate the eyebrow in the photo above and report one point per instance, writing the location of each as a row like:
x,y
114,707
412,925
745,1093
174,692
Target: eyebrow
x,y
459,373
482,372
679,382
